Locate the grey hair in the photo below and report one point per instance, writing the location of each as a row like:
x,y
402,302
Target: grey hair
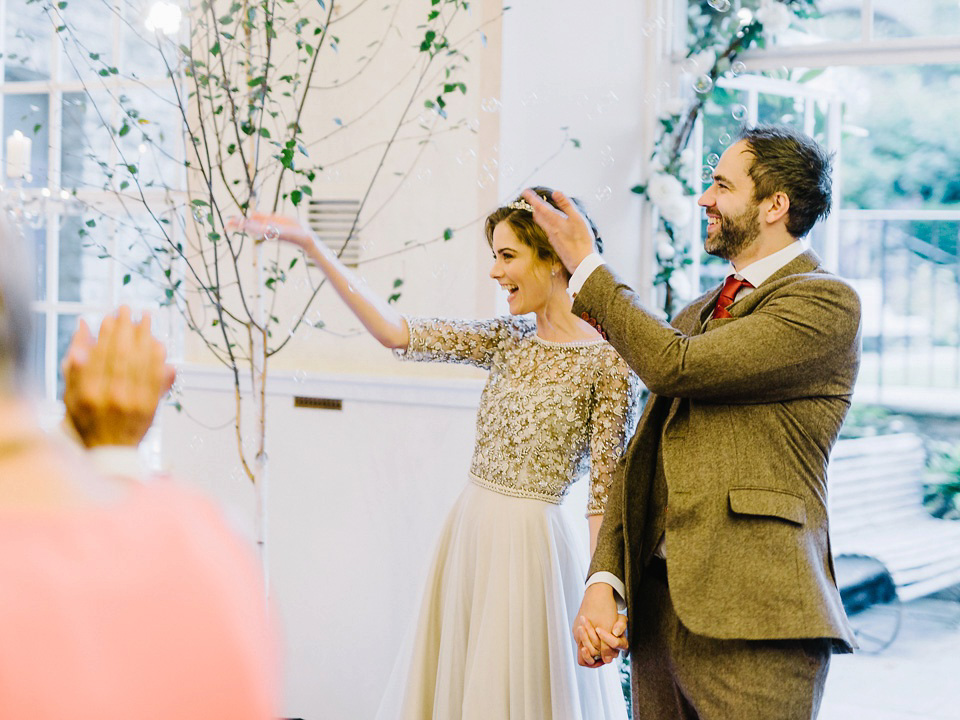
x,y
15,317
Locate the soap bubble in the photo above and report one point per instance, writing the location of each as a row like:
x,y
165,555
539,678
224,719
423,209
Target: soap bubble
x,y
706,174
724,139
719,5
271,233
603,193
738,68
703,84
739,112
713,159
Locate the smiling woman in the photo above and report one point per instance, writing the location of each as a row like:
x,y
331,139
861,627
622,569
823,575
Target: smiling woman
x,y
507,570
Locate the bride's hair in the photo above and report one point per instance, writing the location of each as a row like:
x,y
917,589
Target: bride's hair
x,y
519,216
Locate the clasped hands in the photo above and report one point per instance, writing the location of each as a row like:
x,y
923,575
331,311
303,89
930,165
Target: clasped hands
x,y
599,630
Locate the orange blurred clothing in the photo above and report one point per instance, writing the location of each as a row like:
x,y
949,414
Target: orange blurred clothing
x,y
149,608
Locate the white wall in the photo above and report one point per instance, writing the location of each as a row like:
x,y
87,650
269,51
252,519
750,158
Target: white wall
x,y
357,496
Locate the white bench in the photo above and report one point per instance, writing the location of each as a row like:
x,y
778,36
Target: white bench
x,y
875,491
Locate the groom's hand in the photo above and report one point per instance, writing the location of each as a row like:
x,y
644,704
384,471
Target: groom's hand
x,y
600,631
566,229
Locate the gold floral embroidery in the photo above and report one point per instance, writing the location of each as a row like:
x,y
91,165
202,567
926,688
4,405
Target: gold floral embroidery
x,y
549,411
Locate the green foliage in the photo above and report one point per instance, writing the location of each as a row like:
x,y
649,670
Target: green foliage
x,y
942,496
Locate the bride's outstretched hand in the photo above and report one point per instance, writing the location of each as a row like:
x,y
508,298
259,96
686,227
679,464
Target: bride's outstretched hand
x,y
269,226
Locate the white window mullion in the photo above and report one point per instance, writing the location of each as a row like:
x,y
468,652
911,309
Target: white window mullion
x,y
866,21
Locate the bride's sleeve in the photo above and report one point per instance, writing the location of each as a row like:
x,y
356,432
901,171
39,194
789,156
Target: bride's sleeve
x,y
612,424
468,342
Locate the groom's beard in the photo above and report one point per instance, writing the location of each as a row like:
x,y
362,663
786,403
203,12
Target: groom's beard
x,y
735,233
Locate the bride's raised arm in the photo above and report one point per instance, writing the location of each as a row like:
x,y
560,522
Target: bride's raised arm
x,y
378,317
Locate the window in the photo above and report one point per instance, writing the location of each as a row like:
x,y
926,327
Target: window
x,y
877,83
91,106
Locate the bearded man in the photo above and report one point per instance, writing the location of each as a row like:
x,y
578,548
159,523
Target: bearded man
x,y
715,536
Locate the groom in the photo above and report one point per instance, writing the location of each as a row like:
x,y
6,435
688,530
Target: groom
x,y
715,533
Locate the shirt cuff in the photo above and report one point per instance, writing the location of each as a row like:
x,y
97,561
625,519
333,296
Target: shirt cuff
x,y
117,461
619,590
590,263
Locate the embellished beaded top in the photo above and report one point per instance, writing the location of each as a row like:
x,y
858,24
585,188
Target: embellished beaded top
x,y
549,411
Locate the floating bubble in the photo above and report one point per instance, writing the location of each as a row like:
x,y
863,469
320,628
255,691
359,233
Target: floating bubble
x,y
689,66
719,5
490,105
474,124
466,155
739,112
424,174
738,68
603,193
299,376
648,29
198,215
271,233
196,443
713,159
485,180
706,174
703,84
530,98
724,139
333,176
507,170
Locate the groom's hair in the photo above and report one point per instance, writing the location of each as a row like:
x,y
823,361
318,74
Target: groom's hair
x,y
786,160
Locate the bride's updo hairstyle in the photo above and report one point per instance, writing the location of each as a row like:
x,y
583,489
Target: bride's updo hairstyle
x,y
519,216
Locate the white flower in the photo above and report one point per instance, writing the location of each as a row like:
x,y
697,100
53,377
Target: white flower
x,y
774,16
663,187
676,210
665,251
686,156
705,60
680,284
674,106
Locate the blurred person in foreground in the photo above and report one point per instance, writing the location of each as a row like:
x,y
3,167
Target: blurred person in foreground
x,y
119,598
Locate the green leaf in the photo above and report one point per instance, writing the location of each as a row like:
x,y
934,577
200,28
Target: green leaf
x,y
639,189
132,168
215,48
126,278
295,197
124,184
393,298
91,223
37,128
307,190
292,263
447,234
397,283
576,143
124,129
264,132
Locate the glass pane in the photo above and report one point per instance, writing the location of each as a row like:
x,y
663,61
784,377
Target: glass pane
x,y
37,239
85,267
141,53
839,20
27,42
86,150
37,353
30,115
781,110
154,143
894,18
145,260
900,148
66,326
88,40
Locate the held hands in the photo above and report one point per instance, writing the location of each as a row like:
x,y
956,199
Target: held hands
x,y
113,384
597,646
262,225
566,229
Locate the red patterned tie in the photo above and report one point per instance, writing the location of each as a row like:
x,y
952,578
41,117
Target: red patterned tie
x,y
730,288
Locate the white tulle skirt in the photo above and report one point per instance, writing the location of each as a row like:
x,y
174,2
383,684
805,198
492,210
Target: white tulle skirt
x,y
493,639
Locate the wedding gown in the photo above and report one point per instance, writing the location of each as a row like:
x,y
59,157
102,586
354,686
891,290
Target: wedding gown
x,y
493,637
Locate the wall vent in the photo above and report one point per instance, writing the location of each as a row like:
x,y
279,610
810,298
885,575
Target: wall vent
x,y
318,403
331,220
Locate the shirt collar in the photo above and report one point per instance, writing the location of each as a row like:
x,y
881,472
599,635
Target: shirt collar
x,y
757,272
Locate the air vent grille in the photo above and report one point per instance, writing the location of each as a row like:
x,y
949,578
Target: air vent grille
x,y
318,403
331,220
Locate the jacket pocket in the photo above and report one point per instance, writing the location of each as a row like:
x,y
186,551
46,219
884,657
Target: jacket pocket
x,y
764,501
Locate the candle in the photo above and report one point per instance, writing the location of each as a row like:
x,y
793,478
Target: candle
x,y
18,155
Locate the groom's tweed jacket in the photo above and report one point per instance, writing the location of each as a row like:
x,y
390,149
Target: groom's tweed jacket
x,y
745,411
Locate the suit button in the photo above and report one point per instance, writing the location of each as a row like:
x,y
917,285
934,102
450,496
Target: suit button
x,y
585,316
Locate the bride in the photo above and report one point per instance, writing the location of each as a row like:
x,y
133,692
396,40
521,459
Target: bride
x,y
493,638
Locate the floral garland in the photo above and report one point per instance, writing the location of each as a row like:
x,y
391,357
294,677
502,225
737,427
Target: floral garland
x,y
717,37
